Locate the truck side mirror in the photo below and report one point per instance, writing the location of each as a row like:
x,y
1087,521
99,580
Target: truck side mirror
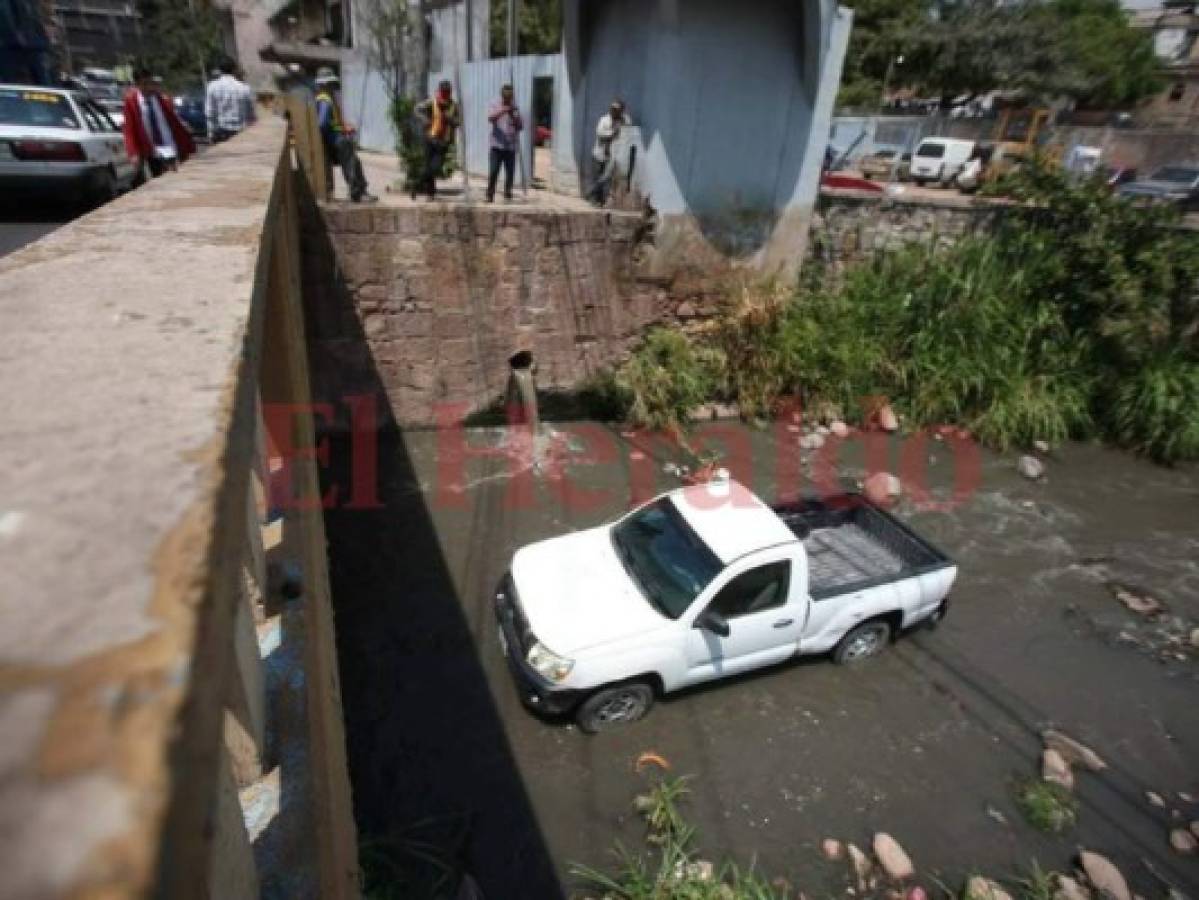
x,y
712,621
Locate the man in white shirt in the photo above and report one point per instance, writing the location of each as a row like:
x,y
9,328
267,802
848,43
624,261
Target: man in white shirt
x,y
606,133
228,104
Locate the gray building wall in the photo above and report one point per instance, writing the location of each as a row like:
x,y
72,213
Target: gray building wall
x,y
733,102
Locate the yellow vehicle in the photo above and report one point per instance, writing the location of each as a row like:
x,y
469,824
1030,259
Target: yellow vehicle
x,y
1020,134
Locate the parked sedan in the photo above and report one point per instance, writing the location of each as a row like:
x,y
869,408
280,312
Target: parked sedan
x,y
60,141
881,163
1169,184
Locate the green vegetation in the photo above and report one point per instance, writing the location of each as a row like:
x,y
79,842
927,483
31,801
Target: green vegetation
x,y
1077,318
668,377
1038,884
1047,806
538,27
1082,49
673,871
182,42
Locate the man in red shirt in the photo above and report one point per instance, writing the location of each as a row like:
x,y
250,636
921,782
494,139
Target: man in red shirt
x,y
153,131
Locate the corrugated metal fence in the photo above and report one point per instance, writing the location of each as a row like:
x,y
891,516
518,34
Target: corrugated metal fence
x,y
477,84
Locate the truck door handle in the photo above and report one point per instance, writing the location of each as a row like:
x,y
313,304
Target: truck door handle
x,y
783,623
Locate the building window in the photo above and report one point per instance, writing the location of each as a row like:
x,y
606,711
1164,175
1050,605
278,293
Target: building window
x,y
1177,90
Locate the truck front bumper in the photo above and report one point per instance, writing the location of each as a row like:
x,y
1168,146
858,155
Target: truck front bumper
x,y
535,691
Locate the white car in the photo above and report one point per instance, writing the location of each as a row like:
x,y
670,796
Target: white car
x,y
706,582
940,160
61,141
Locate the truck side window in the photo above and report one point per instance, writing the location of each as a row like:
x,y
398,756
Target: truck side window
x,y
765,587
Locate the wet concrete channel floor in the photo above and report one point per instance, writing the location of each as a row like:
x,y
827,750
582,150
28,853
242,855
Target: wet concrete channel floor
x,y
925,742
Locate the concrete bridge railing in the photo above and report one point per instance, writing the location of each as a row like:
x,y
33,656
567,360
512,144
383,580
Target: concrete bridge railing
x,y
169,701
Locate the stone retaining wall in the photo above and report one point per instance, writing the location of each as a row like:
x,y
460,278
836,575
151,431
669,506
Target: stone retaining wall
x,y
851,227
426,305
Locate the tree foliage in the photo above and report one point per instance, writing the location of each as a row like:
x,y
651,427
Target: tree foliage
x,y
1085,50
394,44
181,40
538,27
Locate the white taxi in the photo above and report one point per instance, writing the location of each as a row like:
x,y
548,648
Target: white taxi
x,y
60,141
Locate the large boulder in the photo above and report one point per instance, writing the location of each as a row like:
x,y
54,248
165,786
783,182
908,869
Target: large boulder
x,y
1105,878
1030,467
1073,752
1067,888
832,849
860,863
1182,841
979,888
892,858
881,488
1054,768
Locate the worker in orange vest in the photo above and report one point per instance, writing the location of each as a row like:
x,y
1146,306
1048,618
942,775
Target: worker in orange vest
x,y
442,119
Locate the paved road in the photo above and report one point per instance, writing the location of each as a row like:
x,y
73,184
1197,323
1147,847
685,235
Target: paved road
x,y
925,742
21,225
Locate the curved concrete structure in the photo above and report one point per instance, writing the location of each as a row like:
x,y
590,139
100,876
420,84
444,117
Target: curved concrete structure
x,y
733,102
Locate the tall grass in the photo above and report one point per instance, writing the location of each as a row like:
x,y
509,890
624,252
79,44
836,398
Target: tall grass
x,y
1079,317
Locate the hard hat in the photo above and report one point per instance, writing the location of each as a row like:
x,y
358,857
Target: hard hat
x,y
325,75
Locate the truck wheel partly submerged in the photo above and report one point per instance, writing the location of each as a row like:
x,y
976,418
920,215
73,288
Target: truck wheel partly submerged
x,y
615,706
865,641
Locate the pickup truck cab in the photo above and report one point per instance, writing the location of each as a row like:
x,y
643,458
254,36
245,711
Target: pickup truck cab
x,y
702,583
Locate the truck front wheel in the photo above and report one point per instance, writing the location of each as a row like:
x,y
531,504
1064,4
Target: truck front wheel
x,y
614,706
867,640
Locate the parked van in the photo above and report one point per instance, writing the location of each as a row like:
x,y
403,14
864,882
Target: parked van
x,y
940,159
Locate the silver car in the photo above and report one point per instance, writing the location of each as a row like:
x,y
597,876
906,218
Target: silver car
x,y
1170,184
60,141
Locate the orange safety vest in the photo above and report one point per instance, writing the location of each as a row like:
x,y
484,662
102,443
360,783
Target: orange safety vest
x,y
439,128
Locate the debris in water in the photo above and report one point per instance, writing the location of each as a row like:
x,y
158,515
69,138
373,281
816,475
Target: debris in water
x,y
650,758
1155,799
1030,467
1141,604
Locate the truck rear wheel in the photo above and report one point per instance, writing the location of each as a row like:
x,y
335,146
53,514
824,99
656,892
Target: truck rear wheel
x,y
867,640
614,706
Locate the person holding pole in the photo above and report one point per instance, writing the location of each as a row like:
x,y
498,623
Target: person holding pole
x,y
442,119
506,125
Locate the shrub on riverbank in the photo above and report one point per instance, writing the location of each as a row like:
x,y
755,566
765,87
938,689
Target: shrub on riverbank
x,y
1078,318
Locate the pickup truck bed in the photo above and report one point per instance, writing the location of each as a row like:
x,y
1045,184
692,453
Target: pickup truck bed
x,y
852,544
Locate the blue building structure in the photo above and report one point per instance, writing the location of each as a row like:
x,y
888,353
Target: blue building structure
x,y
733,102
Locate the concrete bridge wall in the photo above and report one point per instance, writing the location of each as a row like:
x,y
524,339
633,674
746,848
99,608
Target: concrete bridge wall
x,y
169,701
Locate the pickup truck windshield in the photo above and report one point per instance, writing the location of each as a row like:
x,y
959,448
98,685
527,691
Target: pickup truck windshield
x,y
665,558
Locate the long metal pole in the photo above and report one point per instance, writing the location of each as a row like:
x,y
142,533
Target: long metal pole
x,y
470,31
512,42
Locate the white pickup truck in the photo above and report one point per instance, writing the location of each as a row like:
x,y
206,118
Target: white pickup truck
x,y
702,583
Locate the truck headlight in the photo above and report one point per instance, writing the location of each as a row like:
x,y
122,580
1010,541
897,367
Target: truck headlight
x,y
547,664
